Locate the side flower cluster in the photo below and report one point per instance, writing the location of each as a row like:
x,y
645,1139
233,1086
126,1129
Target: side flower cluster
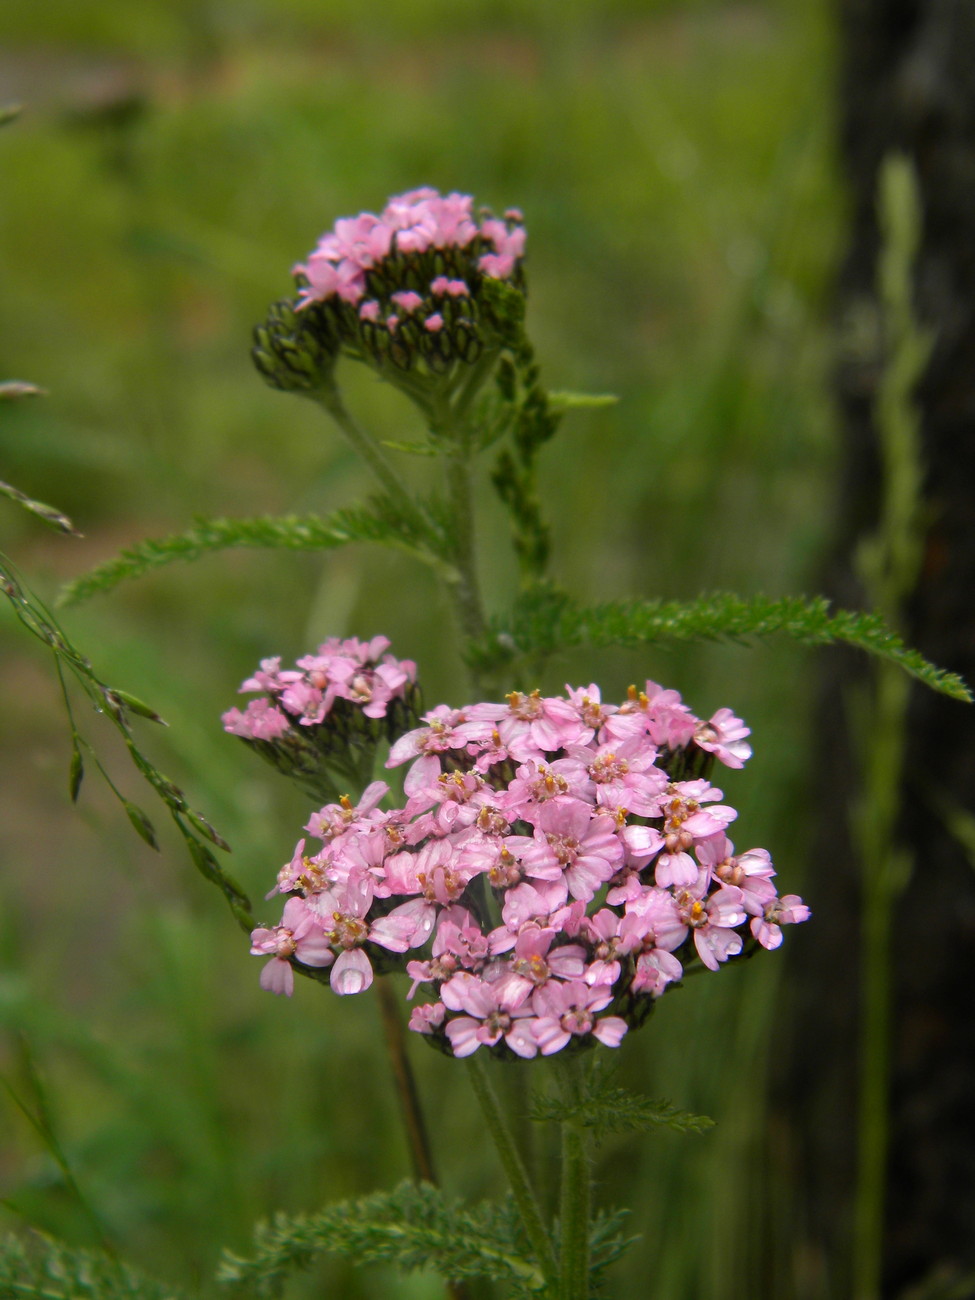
x,y
560,862
346,696
410,287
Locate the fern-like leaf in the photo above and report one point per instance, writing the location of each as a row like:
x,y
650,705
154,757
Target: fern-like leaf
x,y
413,1226
546,620
607,1243
41,1269
617,1110
382,520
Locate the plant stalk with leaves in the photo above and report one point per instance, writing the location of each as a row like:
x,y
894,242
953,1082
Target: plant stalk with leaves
x,y
560,862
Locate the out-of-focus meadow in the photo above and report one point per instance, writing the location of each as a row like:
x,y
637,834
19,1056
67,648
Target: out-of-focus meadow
x,y
674,162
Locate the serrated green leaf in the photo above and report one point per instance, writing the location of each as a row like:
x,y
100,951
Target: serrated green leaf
x,y
546,621
143,826
383,521
413,1226
607,1241
617,1110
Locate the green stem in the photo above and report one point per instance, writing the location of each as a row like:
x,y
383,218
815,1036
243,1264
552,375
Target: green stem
x,y
575,1201
363,443
409,1100
454,435
574,1214
883,872
473,383
466,590
511,1161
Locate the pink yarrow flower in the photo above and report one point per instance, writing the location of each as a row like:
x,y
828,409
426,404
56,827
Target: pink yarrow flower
x,y
788,910
565,1011
300,935
561,813
492,1012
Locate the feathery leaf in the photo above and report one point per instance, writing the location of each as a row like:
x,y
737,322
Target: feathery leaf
x,y
382,520
42,1269
413,1226
617,1110
546,620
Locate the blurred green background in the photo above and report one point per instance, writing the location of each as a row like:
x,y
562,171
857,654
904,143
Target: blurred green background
x,y
675,164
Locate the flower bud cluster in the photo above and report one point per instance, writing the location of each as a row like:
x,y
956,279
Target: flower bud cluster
x,y
554,870
290,357
332,707
417,288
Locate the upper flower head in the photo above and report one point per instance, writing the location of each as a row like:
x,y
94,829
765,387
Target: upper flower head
x,y
425,286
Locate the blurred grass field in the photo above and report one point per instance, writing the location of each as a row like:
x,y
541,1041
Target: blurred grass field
x,y
675,165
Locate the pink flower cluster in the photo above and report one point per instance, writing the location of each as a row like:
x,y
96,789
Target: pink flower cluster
x,y
363,260
559,863
360,672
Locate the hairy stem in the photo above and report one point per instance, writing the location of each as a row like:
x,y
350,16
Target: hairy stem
x,y
511,1161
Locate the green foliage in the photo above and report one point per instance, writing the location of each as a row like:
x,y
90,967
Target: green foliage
x,y
546,620
41,1269
533,419
615,1110
118,706
890,561
383,520
413,1226
608,1109
607,1243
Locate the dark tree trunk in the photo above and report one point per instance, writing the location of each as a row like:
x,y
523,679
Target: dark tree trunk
x,y
908,85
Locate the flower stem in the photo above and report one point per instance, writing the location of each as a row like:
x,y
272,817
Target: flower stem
x,y
466,590
453,433
416,1131
574,1216
511,1161
362,442
575,1202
